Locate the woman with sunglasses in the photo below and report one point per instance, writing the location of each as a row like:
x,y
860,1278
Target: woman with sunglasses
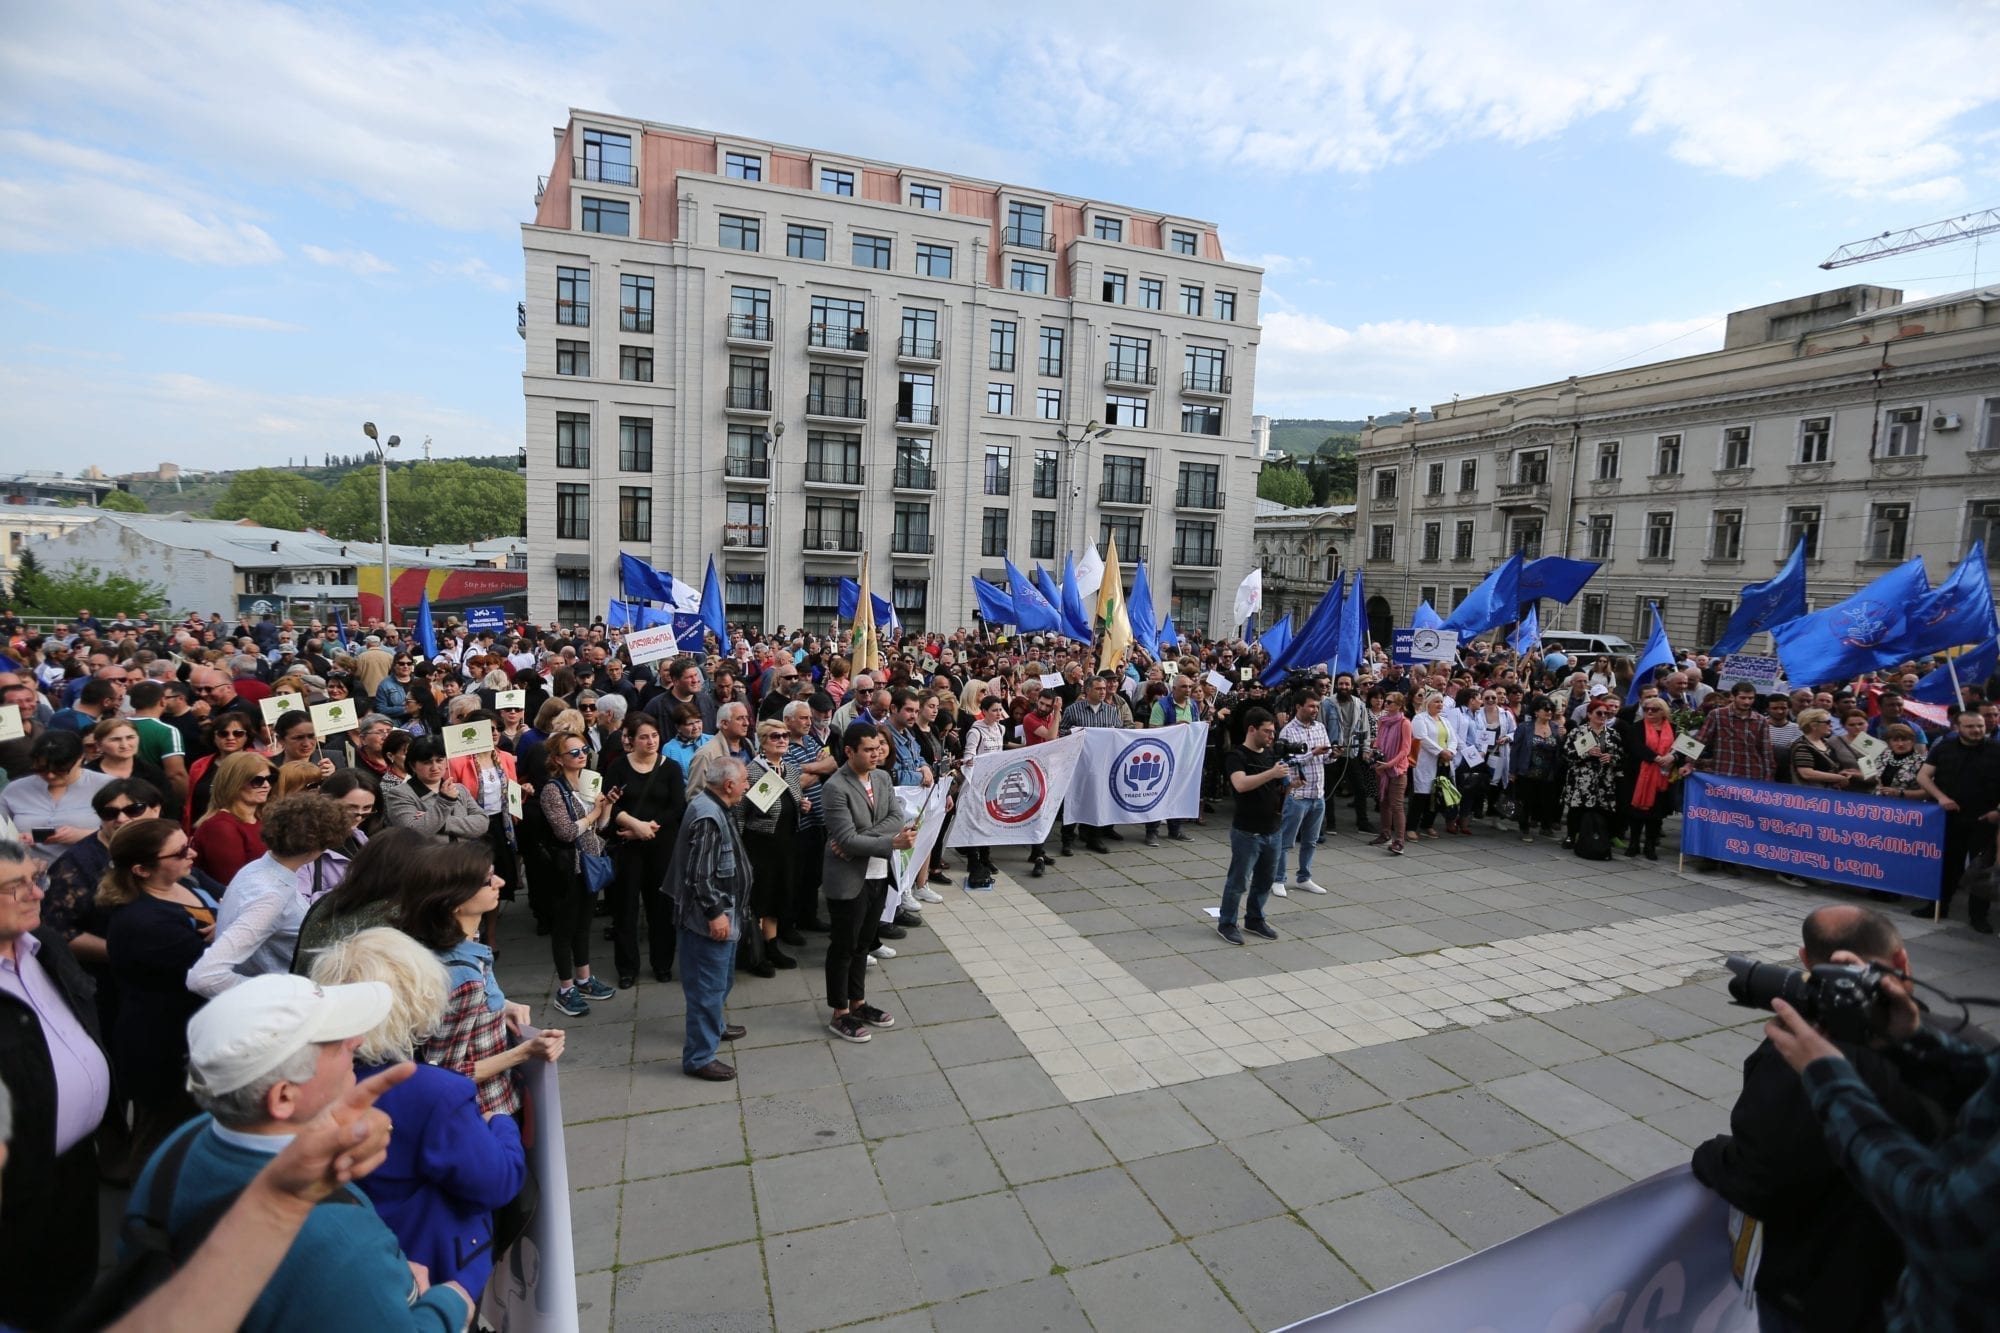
x,y
52,804
1591,782
226,733
67,908
117,744
265,904
573,825
1649,739
229,836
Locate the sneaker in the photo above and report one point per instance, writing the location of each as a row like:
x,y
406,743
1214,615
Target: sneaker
x,y
848,1028
892,931
595,989
985,885
1262,928
927,895
938,877
908,919
569,1002
1178,836
1278,890
872,1016
1527,837
871,960
884,952
1310,885
1229,932
1152,839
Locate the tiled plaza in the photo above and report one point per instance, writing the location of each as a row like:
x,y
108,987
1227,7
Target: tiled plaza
x,y
1096,1114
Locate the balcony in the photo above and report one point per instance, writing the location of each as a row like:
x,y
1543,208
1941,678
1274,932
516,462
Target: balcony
x,y
749,330
611,173
1026,238
1131,374
914,477
1205,384
831,541
910,348
916,414
837,407
746,537
836,340
750,471
1197,557
1123,493
521,319
912,543
1522,494
1200,498
756,402
821,472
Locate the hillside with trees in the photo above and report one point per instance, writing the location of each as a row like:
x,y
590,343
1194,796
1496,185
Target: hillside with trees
x,y
446,502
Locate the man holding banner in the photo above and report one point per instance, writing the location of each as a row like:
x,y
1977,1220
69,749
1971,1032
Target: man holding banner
x,y
1962,774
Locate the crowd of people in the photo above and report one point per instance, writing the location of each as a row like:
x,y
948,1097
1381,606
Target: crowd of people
x,y
185,853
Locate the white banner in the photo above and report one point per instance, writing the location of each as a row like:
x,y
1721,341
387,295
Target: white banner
x,y
533,1287
927,807
1136,777
1010,797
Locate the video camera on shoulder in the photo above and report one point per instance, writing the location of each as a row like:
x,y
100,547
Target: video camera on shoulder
x,y
1842,999
1286,751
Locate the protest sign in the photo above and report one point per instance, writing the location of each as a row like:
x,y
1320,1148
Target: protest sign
x,y
275,706
766,790
650,645
514,799
1870,842
1763,672
510,699
1222,683
10,723
479,619
1689,747
1052,680
589,784
1409,646
333,718
1010,797
462,738
909,864
533,1287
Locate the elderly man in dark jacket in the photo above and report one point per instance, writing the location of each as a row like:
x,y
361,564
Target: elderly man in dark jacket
x,y
708,878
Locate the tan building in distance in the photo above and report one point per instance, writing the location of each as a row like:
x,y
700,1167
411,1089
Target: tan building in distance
x,y
784,357
1865,426
1302,551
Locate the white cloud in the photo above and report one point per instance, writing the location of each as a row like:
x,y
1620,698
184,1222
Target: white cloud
x,y
477,271
358,262
217,319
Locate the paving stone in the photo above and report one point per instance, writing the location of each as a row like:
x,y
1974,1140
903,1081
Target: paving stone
x,y
1477,1204
593,1301
698,1210
1038,1144
1635,1149
1166,1288
1135,1125
897,1053
1595,1024
1665,1021
661,1086
1553,1103
1236,1105
1004,1087
1395,1144
1383,1236
688,1140
595,1152
1204,1189
975,1041
1471,1054
1304,1165
1277,1271
799,1121
1689,1070
954,1003
1174,972
1537,1042
1320,1087
1692,1125
810,1189
1478,1122
791,1068
971,1245
1623,1084
838,1274
932,1165
1093,1216
1562,1175
593,1224
891,1106
1399,1071
722,1289
1044,1305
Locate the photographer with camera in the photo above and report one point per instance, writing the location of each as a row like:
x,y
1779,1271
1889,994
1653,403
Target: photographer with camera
x,y
1304,747
1352,729
1258,779
1829,1259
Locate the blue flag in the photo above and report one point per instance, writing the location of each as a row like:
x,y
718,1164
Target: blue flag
x,y
1353,641
1528,633
1778,600
1973,666
619,615
1658,654
713,618
1315,641
850,598
426,635
688,631
1861,633
1139,612
1276,639
340,630
1493,603
1555,577
642,580
1076,621
1425,617
996,606
1034,613
1169,636
1957,612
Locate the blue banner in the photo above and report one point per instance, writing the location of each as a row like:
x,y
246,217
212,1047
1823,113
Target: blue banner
x,y
479,619
1870,842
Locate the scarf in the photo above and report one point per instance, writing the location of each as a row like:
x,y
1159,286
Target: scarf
x,y
1659,741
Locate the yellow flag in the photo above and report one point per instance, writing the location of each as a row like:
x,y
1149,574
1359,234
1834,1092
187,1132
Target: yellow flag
x,y
1110,620
867,652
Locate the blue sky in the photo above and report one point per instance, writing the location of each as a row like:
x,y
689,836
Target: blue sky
x,y
231,232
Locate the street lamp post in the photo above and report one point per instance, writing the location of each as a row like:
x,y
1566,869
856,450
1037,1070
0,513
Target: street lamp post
x,y
1090,434
382,448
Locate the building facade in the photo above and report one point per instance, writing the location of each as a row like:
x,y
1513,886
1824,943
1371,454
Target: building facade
x,y
1302,552
1866,427
783,358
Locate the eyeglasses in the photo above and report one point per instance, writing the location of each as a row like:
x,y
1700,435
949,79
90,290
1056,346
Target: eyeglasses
x,y
121,812
574,754
186,853
232,735
29,889
261,780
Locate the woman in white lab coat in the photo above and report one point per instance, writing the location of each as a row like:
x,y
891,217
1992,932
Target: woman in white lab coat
x,y
1436,743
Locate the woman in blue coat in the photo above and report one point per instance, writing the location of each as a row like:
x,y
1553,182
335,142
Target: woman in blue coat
x,y
448,1166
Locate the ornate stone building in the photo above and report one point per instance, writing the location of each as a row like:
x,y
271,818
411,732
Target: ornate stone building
x,y
1301,552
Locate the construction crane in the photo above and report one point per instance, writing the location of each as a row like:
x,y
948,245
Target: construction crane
x,y
1966,228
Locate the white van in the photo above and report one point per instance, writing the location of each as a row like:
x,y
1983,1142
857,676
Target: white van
x,y
1577,645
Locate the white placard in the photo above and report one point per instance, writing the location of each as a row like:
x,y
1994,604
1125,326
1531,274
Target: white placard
x,y
330,719
1222,683
1582,741
1244,674
1871,765
10,723
1867,746
275,706
514,799
510,699
1689,746
589,784
650,645
463,738
765,791
1052,681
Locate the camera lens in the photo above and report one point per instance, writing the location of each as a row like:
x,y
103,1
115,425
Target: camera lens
x,y
1755,985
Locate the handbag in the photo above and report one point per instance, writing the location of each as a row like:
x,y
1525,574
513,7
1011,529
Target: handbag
x,y
595,869
1593,836
1506,806
1445,792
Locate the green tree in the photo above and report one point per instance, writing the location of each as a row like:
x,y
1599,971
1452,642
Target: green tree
x,y
61,592
124,502
430,504
271,497
1285,484
26,570
1333,478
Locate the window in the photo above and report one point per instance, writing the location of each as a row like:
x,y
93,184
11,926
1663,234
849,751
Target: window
x,y
1124,480
1888,531
1114,287
1131,359
1194,543
1048,473
635,513
1225,305
1434,479
743,166
916,398
1712,619
1383,479
572,358
1642,616
1725,535
911,534
933,261
1468,475
835,390
832,180
1989,436
993,532
1042,534
1659,536
1129,533
750,383
1026,225
999,469
1000,346
1735,447
1124,410
1433,546
1591,621
1200,486
930,198
838,322
744,516
1050,359
572,439
1802,527
803,242
572,511
750,313
1000,399
1201,419
920,333
635,304
739,233
743,600
1461,539
1607,461
913,464
1427,592
636,364
635,444
573,297
1982,524
573,596
1815,440
1023,276
1107,229
1597,537
1181,242
1667,456
1904,433
608,157
871,251
1191,607
1152,293
911,600
1206,367
833,524
1048,404
612,217
832,457
822,602
1525,535
1532,468
1190,299
1382,542
746,454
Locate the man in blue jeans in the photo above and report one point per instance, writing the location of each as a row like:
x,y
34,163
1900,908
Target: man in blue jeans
x,y
1305,802
1258,780
709,879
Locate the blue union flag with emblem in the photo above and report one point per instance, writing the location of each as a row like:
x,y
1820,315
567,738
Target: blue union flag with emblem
x,y
1865,632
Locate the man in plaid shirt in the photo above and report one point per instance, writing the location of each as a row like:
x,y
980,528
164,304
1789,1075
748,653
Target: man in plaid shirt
x,y
1305,799
1737,744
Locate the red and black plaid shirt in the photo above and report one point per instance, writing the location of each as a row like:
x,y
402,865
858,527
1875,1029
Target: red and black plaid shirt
x,y
1738,745
471,1033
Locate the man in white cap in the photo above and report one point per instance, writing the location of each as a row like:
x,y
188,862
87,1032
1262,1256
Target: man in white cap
x,y
263,1058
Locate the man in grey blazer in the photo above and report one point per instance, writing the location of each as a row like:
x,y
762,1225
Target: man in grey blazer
x,y
863,825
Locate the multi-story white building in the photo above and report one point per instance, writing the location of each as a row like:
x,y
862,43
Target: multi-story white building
x,y
1864,426
783,357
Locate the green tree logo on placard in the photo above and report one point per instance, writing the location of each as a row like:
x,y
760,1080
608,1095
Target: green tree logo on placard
x,y
335,713
469,734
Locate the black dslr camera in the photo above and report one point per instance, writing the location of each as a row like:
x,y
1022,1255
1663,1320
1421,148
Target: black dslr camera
x,y
1840,997
1285,750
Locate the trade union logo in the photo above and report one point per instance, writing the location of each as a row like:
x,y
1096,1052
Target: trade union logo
x,y
1141,775
1869,624
1014,792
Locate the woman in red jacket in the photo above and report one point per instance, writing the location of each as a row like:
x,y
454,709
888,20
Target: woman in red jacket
x,y
228,838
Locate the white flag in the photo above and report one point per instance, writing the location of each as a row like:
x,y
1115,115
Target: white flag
x,y
1011,797
1137,777
1249,595
1089,571
928,810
